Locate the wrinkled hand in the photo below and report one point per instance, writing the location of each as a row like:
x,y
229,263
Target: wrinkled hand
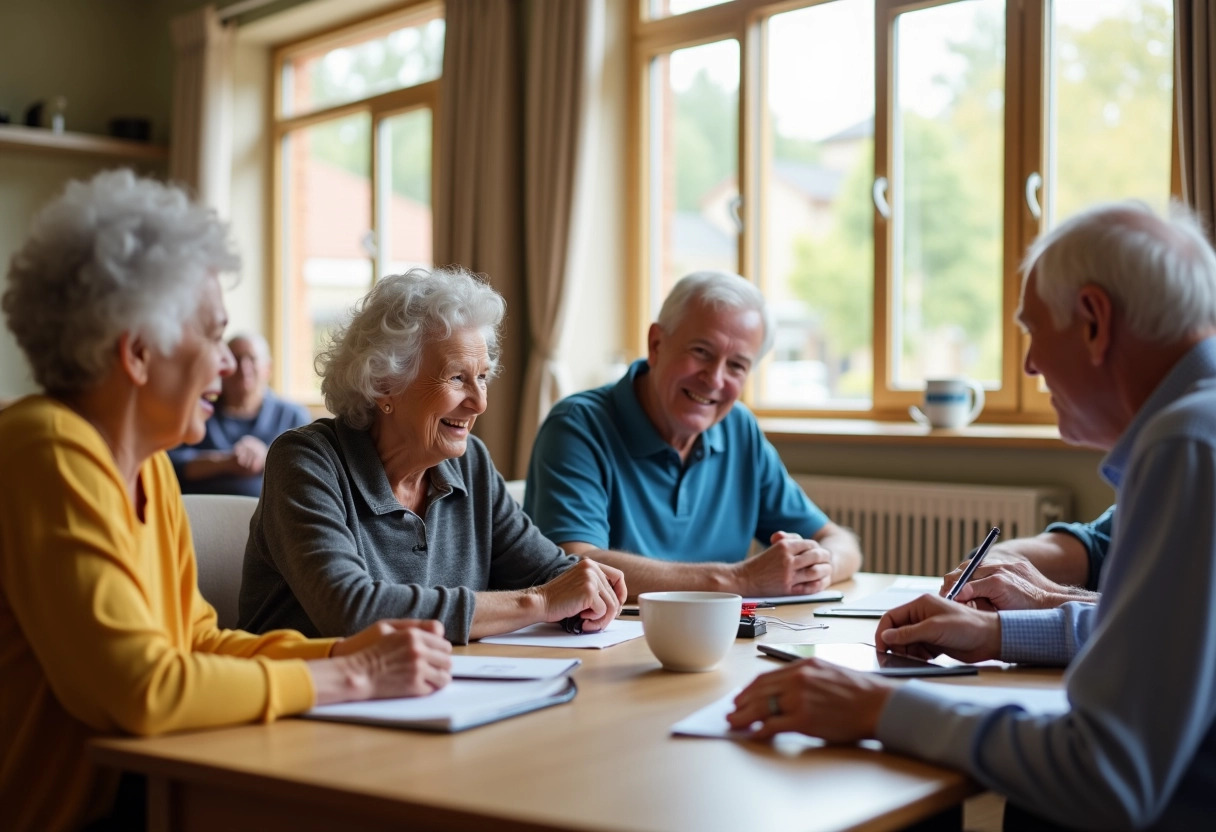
x,y
399,657
931,625
1009,586
249,454
592,591
813,697
790,566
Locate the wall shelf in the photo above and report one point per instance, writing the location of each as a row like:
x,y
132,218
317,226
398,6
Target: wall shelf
x,y
38,140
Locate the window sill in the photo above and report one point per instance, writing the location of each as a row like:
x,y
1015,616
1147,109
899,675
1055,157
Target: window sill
x,y
869,432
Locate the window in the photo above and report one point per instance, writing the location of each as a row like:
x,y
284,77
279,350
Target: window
x,y
878,168
354,128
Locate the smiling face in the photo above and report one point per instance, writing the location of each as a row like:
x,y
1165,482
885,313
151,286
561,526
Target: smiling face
x,y
431,419
698,370
182,387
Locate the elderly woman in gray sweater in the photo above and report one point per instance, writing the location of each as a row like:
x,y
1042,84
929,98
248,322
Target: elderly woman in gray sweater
x,y
393,508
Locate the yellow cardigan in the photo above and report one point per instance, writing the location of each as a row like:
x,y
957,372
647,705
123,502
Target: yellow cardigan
x,y
102,627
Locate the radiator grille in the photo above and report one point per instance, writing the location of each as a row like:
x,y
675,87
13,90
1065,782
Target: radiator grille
x,y
926,528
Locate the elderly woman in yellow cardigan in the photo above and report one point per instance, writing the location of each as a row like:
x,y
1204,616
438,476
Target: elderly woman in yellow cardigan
x,y
115,301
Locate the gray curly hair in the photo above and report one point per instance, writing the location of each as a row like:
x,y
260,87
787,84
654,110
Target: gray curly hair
x,y
378,352
115,254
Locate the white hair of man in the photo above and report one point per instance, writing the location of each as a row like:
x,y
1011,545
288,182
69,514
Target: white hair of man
x,y
1159,272
718,290
115,254
261,347
379,351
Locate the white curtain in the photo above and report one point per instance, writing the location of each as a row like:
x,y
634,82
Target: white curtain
x,y
200,149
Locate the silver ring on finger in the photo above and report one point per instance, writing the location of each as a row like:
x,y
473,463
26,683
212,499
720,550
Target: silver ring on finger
x,y
774,704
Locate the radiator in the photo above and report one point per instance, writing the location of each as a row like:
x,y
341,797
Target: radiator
x,y
926,528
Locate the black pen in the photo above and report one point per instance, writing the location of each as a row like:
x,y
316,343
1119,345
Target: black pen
x,y
969,570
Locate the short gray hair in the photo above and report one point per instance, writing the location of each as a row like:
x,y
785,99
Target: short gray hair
x,y
718,290
115,254
1159,272
378,352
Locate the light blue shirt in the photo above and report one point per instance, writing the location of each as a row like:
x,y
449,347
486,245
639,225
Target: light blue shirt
x,y
1138,747
601,474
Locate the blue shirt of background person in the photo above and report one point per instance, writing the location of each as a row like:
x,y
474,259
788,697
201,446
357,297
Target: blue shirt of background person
x,y
1095,537
247,418
669,467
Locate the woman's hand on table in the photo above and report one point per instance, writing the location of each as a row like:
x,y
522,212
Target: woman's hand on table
x,y
589,590
394,657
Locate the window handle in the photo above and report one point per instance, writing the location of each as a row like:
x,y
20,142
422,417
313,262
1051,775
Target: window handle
x,y
1033,183
735,207
879,192
369,245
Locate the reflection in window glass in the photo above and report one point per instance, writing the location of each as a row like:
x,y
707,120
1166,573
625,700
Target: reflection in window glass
x,y
817,217
327,238
1112,80
405,192
946,192
693,164
403,58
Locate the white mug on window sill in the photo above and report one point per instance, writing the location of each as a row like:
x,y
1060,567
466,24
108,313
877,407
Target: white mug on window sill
x,y
949,403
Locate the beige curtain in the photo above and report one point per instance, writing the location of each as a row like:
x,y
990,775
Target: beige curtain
x,y
478,205
556,73
1195,85
200,149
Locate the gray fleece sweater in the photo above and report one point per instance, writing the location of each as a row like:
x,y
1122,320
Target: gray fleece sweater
x,y
331,550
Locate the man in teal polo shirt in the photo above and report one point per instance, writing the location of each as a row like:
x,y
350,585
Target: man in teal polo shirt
x,y
668,471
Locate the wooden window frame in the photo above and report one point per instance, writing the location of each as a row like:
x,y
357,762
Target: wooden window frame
x,y
1020,399
426,95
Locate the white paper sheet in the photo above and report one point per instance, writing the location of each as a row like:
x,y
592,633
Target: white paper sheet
x,y
552,635
510,667
901,591
814,598
710,721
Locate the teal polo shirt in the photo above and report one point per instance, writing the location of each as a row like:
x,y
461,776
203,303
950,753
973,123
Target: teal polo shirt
x,y
601,474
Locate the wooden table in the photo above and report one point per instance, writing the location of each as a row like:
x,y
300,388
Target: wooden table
x,y
606,761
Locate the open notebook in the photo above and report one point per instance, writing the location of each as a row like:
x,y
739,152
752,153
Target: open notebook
x,y
463,704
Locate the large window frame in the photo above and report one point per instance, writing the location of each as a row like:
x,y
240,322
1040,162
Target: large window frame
x,y
379,108
1019,399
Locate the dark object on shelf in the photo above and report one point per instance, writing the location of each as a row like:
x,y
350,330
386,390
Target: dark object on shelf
x,y
135,129
33,115
4,117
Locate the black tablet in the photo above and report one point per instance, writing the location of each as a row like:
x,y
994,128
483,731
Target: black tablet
x,y
863,657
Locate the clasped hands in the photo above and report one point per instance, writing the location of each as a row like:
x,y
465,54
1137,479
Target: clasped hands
x,y
792,565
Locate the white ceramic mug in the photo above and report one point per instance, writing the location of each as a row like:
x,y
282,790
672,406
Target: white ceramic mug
x,y
690,630
949,403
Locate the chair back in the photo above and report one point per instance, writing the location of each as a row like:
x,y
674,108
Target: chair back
x,y
220,525
516,489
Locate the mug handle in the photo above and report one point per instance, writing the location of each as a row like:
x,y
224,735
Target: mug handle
x,y
919,416
977,392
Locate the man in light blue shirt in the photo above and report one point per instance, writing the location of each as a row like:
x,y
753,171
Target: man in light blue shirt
x,y
1120,307
667,468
